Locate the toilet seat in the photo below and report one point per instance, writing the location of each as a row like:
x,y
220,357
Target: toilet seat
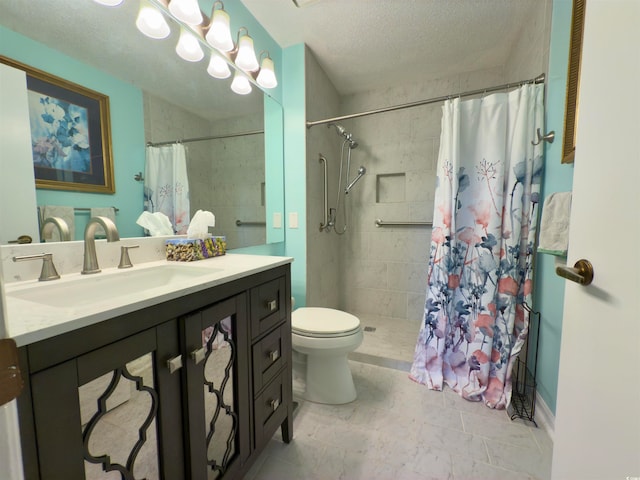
x,y
317,322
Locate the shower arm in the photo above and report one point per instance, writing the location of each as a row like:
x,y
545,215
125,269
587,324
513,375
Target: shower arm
x,y
325,223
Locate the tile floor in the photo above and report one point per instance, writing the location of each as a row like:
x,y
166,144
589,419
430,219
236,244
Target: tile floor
x,y
397,429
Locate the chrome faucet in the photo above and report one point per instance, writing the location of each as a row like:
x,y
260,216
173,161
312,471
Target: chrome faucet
x,y
60,224
90,258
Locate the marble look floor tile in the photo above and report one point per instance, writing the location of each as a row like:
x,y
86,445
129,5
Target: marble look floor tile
x,y
487,427
399,430
521,459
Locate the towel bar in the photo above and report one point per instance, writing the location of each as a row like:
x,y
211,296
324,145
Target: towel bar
x,y
382,223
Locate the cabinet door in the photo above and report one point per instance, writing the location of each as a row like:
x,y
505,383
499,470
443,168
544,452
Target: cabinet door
x,y
218,437
113,411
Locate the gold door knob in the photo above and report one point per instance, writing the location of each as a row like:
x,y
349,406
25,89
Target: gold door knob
x,y
582,272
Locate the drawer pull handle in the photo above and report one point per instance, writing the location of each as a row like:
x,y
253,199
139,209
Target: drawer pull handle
x,y
274,404
174,364
272,305
274,355
198,355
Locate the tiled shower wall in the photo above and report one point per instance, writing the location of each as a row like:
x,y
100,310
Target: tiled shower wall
x,y
385,268
382,271
324,270
226,176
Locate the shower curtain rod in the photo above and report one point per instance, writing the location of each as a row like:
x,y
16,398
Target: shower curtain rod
x,y
202,139
538,79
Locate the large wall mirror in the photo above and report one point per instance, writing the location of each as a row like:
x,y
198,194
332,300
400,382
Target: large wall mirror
x,y
156,97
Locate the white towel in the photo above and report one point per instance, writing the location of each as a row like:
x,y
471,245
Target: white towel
x,y
109,212
65,213
554,225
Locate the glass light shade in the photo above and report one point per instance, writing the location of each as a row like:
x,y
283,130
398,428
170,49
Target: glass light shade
x,y
267,76
240,84
219,34
218,67
188,47
152,23
246,58
186,10
109,3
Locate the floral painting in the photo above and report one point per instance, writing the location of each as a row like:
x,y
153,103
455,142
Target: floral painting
x,y
70,133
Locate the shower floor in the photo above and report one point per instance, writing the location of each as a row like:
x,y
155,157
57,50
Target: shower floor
x,y
388,342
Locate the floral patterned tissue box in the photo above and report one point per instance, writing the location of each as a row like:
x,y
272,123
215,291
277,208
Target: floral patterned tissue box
x,y
191,249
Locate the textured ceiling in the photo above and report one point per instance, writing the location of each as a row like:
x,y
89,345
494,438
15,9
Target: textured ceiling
x,y
361,44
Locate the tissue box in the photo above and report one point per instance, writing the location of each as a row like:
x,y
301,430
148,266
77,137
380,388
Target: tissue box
x,y
189,250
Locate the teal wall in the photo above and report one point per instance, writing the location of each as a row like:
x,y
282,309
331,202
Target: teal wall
x,y
295,131
549,288
127,130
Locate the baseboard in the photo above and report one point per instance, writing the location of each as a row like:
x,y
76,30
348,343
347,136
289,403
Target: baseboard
x,y
544,417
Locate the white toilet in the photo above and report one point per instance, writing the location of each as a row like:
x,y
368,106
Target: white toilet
x,y
321,340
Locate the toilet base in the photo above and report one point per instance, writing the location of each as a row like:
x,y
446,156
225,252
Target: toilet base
x,y
329,380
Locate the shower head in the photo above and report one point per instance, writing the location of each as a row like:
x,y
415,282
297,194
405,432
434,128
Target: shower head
x,y
361,172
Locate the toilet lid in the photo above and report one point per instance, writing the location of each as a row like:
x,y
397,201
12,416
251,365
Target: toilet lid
x,y
323,321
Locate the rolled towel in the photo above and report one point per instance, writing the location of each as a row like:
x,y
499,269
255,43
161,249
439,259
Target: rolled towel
x,y
554,225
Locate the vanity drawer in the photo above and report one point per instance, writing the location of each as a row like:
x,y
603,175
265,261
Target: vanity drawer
x,y
271,408
268,306
269,355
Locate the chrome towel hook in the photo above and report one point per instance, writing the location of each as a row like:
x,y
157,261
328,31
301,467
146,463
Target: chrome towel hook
x,y
549,137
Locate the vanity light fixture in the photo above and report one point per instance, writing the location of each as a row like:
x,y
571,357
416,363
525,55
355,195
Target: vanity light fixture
x,y
219,33
267,76
196,32
240,84
188,11
246,55
151,22
218,66
188,47
109,3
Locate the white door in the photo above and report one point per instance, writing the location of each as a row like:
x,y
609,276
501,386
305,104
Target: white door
x,y
597,427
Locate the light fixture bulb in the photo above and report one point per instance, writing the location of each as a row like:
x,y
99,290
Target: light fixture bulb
x,y
218,67
246,58
219,34
267,76
186,10
109,3
151,22
188,47
240,84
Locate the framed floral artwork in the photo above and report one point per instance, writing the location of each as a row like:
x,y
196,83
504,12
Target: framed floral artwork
x,y
70,133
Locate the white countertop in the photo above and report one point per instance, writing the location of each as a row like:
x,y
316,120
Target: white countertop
x,y
29,321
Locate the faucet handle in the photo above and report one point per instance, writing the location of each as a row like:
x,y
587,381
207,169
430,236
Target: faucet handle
x,y
125,261
48,271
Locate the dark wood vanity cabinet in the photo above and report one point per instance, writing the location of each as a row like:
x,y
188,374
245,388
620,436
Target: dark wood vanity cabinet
x,y
191,388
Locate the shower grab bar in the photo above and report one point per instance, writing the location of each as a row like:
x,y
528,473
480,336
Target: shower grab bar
x,y
382,223
240,223
325,222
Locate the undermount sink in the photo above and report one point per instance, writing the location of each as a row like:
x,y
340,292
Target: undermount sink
x,y
101,287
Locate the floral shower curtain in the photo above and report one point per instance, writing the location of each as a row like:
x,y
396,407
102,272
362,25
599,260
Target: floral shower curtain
x,y
166,187
484,227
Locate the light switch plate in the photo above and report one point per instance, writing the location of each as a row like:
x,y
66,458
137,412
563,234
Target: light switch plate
x,y
277,220
293,220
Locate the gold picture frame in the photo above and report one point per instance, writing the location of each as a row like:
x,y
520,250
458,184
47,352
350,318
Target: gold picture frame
x,y
70,133
573,83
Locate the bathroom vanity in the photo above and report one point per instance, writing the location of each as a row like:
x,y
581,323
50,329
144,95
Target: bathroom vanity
x,y
186,379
